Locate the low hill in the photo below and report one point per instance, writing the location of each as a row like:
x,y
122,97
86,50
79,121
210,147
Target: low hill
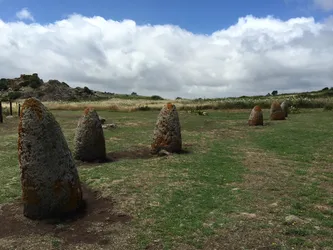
x,y
27,86
32,86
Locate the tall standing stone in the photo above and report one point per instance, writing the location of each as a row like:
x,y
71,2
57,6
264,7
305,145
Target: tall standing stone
x,y
89,138
276,112
285,108
167,133
256,117
49,178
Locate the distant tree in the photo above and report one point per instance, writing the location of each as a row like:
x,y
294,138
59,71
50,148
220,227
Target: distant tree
x,y
87,90
34,83
179,98
14,95
274,92
134,94
156,97
3,84
324,89
268,94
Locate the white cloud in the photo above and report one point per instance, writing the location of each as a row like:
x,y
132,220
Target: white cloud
x,y
326,5
24,14
254,56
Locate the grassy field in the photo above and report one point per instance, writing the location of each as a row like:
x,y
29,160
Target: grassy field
x,y
235,188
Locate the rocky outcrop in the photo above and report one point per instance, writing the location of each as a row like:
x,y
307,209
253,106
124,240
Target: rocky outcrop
x,y
167,133
256,117
49,178
276,112
89,138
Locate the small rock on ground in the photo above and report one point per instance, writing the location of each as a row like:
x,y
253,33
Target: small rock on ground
x,y
290,219
108,126
163,153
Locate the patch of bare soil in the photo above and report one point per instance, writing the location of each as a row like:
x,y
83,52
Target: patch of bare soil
x,y
138,153
90,225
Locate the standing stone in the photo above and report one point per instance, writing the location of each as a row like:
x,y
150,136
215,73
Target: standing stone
x,y
89,138
167,134
49,178
256,117
285,108
276,112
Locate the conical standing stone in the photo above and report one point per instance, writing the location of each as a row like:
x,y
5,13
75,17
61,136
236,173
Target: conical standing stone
x,y
276,112
256,117
49,178
285,108
89,138
167,133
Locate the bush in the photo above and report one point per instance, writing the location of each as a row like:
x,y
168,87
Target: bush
x,y
87,91
328,107
156,97
3,84
294,110
24,83
34,83
14,95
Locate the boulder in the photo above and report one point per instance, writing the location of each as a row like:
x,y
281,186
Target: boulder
x,y
89,138
256,117
285,108
276,112
102,119
167,132
49,178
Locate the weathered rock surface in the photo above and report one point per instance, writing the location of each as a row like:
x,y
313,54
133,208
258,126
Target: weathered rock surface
x,y
102,119
285,108
256,117
167,133
276,112
49,178
89,138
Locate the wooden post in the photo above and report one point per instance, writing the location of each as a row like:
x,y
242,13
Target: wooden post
x,y
10,108
19,110
1,117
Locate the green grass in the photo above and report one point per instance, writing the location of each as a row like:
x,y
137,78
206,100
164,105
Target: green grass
x,y
206,197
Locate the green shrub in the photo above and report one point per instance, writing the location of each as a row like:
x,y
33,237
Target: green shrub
x,y
3,84
87,91
328,107
14,95
156,97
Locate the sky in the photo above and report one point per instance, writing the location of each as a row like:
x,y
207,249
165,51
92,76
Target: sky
x,y
171,48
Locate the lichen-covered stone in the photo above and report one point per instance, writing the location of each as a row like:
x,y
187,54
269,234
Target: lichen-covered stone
x,y
167,133
89,138
49,178
276,112
256,117
285,108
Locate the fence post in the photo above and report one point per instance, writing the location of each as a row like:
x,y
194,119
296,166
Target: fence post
x,y
1,117
10,108
19,110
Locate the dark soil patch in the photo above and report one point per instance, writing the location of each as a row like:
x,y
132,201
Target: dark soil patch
x,y
78,228
138,153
